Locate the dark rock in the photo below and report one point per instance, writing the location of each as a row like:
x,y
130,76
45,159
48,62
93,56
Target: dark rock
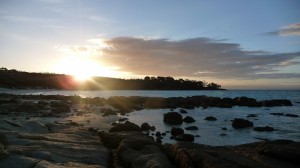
x,y
260,154
158,134
210,118
241,123
292,115
277,102
173,118
224,128
177,131
185,137
251,115
245,101
158,140
191,128
163,134
197,135
147,127
261,129
127,126
277,114
223,134
183,111
188,119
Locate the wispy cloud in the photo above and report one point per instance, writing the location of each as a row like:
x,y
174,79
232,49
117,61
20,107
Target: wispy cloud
x,y
25,19
289,30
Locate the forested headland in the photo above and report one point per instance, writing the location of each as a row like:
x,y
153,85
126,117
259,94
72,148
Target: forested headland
x,y
15,79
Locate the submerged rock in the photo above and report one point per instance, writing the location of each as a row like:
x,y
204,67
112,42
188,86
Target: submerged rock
x,y
210,118
185,137
191,128
173,118
241,123
261,129
188,119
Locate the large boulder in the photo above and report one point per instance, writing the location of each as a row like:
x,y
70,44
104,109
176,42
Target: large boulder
x,y
241,123
173,118
188,119
127,126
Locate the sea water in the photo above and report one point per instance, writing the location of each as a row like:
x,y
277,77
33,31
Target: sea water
x,y
211,132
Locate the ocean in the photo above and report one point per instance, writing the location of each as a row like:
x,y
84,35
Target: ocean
x,y
211,132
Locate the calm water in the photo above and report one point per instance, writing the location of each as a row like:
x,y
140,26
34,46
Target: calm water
x,y
210,131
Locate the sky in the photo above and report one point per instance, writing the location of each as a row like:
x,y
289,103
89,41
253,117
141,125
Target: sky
x,y
238,44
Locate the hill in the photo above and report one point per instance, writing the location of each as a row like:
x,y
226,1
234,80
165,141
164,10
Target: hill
x,y
31,80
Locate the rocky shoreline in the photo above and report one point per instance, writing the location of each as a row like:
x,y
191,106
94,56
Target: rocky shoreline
x,y
57,131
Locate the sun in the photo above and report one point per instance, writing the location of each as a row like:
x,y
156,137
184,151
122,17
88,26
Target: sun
x,y
80,68
83,69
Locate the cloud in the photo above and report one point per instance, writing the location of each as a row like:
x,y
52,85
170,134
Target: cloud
x,y
196,57
289,30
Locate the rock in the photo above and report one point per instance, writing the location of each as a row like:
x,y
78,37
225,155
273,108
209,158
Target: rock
x,y
185,137
176,131
275,154
252,115
292,115
241,123
245,101
133,149
188,119
158,134
127,126
210,118
265,129
277,102
147,127
224,128
191,128
183,111
173,118
277,114
223,134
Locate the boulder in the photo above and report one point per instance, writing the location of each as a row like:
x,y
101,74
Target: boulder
x,y
191,128
188,119
210,118
177,131
173,118
127,126
241,123
265,129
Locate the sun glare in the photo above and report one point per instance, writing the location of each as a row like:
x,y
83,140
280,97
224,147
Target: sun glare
x,y
83,69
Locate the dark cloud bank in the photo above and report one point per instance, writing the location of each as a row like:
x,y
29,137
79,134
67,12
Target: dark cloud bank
x,y
197,57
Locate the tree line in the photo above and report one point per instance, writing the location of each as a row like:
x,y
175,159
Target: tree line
x,y
31,80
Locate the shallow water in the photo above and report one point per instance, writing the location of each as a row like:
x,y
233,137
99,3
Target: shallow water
x,y
209,131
